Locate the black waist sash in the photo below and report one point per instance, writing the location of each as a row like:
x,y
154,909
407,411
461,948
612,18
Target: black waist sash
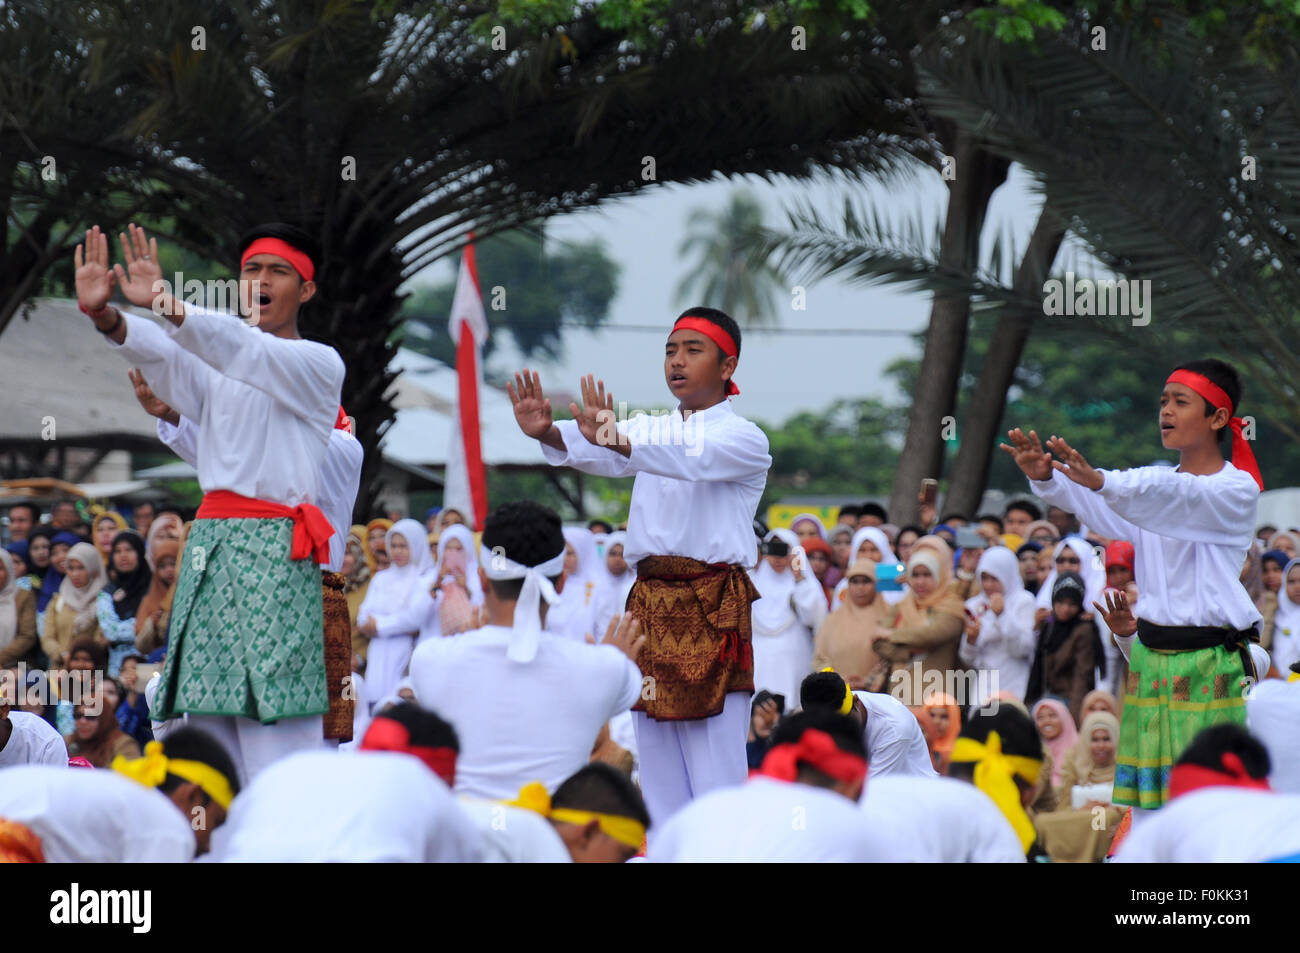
x,y
1188,638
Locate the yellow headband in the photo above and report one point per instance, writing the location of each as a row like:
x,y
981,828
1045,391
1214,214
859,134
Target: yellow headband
x,y
153,768
626,830
846,706
994,775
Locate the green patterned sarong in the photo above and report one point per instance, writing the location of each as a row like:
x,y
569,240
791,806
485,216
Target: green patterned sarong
x,y
245,636
1169,698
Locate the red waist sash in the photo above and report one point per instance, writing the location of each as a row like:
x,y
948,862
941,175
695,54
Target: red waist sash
x,y
311,530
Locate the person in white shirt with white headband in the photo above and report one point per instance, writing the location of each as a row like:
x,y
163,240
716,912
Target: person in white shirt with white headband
x,y
526,704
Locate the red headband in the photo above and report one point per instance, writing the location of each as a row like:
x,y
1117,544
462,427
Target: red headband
x,y
1243,458
341,422
817,750
387,734
715,334
1191,777
275,246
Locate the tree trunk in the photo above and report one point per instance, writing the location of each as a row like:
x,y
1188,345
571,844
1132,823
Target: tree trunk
x,y
978,175
979,428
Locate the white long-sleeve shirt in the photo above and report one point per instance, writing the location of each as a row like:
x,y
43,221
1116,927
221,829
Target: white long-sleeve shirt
x,y
1005,645
1217,825
942,820
1191,533
895,744
697,484
340,477
265,406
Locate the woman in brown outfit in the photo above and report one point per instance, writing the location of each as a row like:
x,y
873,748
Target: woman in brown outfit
x,y
17,615
1069,648
927,625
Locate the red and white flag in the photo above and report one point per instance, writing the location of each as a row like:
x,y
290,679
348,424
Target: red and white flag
x,y
466,480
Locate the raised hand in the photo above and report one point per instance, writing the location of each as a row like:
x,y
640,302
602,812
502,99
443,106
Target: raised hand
x,y
1119,617
1070,462
149,400
1033,460
141,281
595,418
95,279
624,633
532,407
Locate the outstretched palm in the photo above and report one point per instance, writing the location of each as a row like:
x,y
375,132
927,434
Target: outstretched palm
x,y
1033,460
595,418
141,280
532,407
94,278
1117,613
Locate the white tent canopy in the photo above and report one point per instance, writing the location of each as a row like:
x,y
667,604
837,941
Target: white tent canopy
x,y
1280,508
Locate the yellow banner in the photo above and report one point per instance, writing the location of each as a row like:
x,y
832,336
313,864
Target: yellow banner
x,y
780,515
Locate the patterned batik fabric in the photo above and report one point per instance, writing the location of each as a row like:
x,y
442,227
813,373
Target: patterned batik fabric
x,y
338,657
246,626
696,620
1169,697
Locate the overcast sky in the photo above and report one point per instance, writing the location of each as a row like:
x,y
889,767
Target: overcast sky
x,y
780,373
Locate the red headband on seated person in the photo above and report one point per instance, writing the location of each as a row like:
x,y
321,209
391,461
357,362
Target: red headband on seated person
x,y
1192,777
818,750
1243,458
276,246
715,334
387,734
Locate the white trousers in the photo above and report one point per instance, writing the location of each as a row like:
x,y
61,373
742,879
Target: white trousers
x,y
681,760
253,745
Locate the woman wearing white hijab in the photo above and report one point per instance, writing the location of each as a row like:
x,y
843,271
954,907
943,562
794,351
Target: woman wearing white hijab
x,y
1286,623
815,522
614,587
386,612
574,615
1003,629
789,611
426,604
883,556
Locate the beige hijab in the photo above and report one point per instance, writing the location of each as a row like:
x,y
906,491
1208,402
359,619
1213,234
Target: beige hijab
x,y
1085,770
913,611
82,601
847,632
8,602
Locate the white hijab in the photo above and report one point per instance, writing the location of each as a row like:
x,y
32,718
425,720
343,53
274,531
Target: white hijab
x,y
877,536
461,532
1286,626
8,602
573,613
1001,563
816,521
401,581
1090,568
616,538
773,612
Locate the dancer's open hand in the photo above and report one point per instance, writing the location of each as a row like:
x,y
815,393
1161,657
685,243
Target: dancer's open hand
x,y
1033,460
596,419
149,400
624,633
141,280
95,279
1119,617
1071,462
532,407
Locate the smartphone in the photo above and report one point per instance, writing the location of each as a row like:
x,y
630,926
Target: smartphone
x,y
929,491
889,577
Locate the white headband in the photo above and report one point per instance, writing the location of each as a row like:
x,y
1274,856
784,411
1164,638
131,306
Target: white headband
x,y
528,623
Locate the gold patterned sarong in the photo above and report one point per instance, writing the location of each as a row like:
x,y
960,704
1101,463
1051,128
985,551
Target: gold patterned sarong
x,y
338,657
696,619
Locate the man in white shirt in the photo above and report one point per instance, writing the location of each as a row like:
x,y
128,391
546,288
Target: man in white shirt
x,y
801,808
1272,716
894,741
339,483
700,472
26,738
595,817
941,820
1221,808
527,705
162,807
387,803
245,652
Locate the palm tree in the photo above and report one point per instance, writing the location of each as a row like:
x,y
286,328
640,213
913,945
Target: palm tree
x,y
394,131
726,274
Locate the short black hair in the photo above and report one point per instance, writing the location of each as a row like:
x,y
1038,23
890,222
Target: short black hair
x,y
31,508
1024,506
290,234
850,509
911,527
821,691
1210,745
143,503
844,731
990,518
604,789
194,744
721,319
604,527
1223,375
137,659
1016,730
874,509
527,533
425,727
955,516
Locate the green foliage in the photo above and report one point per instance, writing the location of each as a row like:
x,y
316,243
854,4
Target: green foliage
x,y
546,286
